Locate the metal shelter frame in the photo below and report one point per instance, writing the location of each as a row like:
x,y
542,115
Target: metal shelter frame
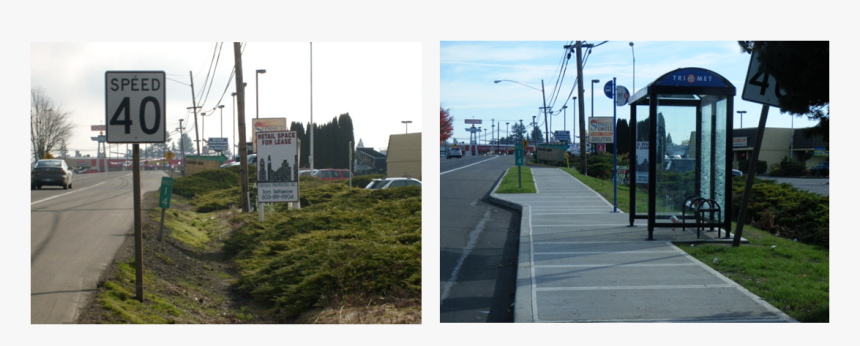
x,y
686,87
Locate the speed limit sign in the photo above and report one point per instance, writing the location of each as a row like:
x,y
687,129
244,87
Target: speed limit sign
x,y
135,109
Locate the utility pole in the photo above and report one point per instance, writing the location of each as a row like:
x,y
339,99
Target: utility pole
x,y
194,104
311,159
243,152
580,91
545,123
182,146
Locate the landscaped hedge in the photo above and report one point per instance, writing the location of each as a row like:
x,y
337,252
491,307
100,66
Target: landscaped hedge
x,y
785,211
760,167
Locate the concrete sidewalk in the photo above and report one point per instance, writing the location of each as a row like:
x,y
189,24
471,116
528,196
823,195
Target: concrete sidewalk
x,y
580,262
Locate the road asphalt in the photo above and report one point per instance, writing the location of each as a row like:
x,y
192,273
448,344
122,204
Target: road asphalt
x,y
580,262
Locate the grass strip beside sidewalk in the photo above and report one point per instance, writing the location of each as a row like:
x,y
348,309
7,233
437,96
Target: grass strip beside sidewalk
x,y
792,276
510,183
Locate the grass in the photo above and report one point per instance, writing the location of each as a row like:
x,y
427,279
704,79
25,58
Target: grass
x,y
792,276
510,183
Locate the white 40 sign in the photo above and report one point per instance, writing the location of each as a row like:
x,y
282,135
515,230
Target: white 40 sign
x,y
760,86
135,106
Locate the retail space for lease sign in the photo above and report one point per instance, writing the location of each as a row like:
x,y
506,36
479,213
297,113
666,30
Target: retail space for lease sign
x,y
277,167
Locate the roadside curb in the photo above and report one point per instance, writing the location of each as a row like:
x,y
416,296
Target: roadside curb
x,y
523,299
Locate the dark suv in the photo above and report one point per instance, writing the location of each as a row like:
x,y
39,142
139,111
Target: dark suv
x,y
822,169
454,152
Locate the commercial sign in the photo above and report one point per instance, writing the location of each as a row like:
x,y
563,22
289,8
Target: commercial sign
x,y
267,125
473,121
601,129
642,162
97,127
277,167
562,136
739,142
218,143
692,77
135,106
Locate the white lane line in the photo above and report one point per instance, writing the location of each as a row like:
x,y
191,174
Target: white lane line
x,y
656,287
50,198
599,252
473,239
457,169
580,225
78,190
615,265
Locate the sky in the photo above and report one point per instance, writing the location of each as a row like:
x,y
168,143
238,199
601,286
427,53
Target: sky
x,y
468,70
378,84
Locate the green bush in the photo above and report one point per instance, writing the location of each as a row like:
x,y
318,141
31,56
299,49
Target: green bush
x,y
600,165
785,211
789,168
760,167
349,243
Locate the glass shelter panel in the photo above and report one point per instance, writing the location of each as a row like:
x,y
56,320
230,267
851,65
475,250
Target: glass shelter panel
x,y
642,138
714,109
677,166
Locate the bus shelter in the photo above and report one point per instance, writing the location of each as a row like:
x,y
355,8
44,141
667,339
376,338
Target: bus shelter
x,y
680,159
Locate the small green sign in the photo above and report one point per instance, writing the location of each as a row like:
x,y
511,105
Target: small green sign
x,y
518,151
165,192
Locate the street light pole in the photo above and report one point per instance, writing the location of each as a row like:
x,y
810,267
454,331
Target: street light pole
x,y
573,121
233,124
593,81
203,129
508,137
407,122
257,87
634,67
544,110
222,119
742,118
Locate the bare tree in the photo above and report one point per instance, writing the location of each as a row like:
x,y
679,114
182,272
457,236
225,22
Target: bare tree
x,y
50,124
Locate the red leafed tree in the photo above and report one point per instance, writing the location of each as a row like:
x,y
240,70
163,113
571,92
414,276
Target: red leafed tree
x,y
447,124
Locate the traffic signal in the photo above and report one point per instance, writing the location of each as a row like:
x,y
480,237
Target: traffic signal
x,y
743,156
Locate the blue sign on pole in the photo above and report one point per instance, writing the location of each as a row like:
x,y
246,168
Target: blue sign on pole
x,y
607,89
218,143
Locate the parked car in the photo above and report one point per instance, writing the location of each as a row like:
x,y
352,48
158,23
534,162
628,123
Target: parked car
x,y
454,152
252,160
329,174
822,169
307,172
737,173
51,172
385,183
681,165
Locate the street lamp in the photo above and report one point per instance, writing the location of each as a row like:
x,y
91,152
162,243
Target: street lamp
x,y
634,67
742,118
233,124
593,82
507,136
546,122
257,87
407,122
222,119
203,128
573,120
564,108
